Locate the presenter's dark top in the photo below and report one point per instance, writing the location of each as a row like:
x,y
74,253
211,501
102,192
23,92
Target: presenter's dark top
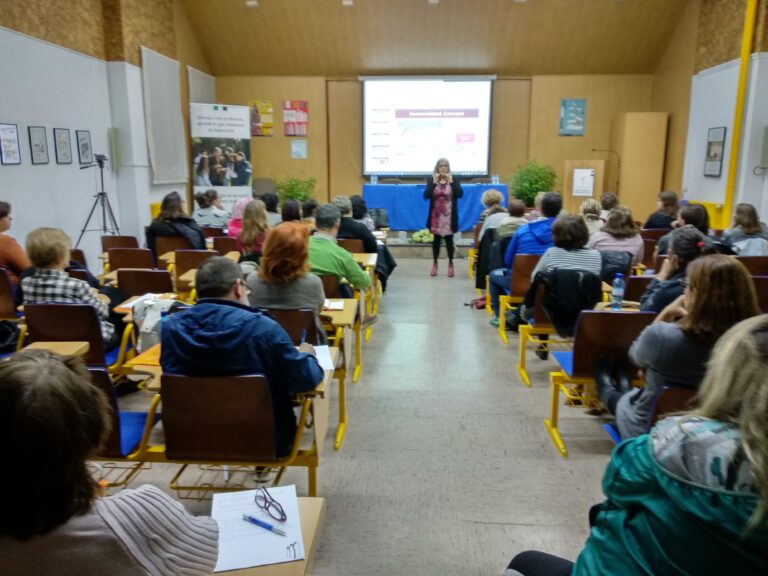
x,y
456,193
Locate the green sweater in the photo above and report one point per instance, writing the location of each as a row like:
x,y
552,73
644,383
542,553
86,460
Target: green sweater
x,y
327,257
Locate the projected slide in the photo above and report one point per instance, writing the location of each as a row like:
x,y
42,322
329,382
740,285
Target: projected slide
x,y
409,123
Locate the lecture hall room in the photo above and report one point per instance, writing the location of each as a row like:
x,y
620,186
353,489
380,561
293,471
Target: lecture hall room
x,y
531,372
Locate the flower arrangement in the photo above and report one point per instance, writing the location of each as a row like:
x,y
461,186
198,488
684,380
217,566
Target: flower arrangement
x,y
422,237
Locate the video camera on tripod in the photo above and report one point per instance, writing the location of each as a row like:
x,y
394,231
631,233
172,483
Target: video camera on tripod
x,y
108,222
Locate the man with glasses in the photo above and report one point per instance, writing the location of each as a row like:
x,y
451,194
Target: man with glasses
x,y
222,336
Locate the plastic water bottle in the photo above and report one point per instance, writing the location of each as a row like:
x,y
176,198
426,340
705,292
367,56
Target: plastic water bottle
x,y
617,292
374,179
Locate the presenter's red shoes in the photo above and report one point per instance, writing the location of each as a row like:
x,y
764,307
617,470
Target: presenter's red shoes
x,y
434,269
450,270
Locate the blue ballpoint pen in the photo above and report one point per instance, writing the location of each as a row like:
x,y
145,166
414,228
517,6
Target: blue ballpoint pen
x,y
264,525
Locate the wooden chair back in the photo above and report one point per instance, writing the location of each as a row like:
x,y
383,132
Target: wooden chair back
x,y
522,268
476,234
66,323
78,256
649,245
635,287
540,318
101,379
605,333
188,260
654,233
212,231
761,287
7,298
331,286
130,258
79,273
353,245
165,244
297,323
139,282
111,241
224,244
218,419
671,399
757,265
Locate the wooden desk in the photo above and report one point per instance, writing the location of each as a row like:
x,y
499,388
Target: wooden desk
x,y
312,512
368,261
125,307
170,257
61,348
189,277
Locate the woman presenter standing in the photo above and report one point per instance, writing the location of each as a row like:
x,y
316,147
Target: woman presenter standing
x,y
443,191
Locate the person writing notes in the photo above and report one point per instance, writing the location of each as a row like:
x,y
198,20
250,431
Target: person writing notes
x,y
443,192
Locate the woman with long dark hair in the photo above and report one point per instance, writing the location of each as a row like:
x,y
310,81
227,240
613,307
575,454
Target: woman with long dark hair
x,y
443,191
172,221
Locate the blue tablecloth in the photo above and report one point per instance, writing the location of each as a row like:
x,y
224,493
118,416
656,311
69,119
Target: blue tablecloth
x,y
407,209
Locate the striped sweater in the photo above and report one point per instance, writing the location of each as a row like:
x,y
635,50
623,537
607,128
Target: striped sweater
x,y
584,259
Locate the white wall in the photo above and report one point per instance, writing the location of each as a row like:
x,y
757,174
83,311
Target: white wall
x,y
45,85
754,188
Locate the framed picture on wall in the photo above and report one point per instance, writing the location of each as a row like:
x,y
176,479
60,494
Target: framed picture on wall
x,y
9,144
84,149
62,146
713,162
38,144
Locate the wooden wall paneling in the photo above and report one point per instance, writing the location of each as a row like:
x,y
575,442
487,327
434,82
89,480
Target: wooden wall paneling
x,y
345,137
607,96
271,157
572,203
672,91
510,125
640,139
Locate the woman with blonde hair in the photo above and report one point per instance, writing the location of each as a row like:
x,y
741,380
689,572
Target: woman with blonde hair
x,y
590,211
747,232
494,211
254,231
691,497
619,233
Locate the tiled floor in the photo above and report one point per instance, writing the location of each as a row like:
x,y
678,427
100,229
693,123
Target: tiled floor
x,y
447,467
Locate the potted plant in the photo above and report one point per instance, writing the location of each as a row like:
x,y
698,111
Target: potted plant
x,y
530,179
295,188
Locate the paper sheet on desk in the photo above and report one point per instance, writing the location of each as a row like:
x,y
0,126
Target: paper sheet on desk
x,y
243,545
323,355
333,305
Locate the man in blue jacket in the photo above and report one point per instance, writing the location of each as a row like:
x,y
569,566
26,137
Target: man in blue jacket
x,y
532,238
221,336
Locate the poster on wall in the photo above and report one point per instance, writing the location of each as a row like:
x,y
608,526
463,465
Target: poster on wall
x,y
38,144
221,150
295,117
63,146
583,181
573,116
713,163
9,144
262,118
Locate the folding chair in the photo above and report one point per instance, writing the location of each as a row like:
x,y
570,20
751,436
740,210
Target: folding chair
x,y
519,282
110,241
353,245
224,244
649,246
227,420
757,265
78,322
138,282
165,244
212,231
137,258
332,289
598,333
187,260
300,324
129,432
636,287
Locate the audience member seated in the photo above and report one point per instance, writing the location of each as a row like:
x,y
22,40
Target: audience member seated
x,y
327,257
608,201
569,236
686,244
666,211
691,497
291,211
254,230
235,225
308,211
747,231
619,233
222,336
536,214
494,212
12,255
48,248
53,524
273,216
360,212
590,212
283,280
695,215
210,212
515,218
173,222
674,350
532,238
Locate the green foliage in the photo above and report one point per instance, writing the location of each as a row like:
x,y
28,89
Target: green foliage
x,y
422,237
530,179
295,188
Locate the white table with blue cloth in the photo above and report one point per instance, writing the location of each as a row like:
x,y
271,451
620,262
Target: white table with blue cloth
x,y
407,209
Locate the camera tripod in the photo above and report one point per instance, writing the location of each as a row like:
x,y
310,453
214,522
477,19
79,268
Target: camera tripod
x,y
108,222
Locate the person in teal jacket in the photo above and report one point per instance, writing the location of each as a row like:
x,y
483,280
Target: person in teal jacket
x,y
691,497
